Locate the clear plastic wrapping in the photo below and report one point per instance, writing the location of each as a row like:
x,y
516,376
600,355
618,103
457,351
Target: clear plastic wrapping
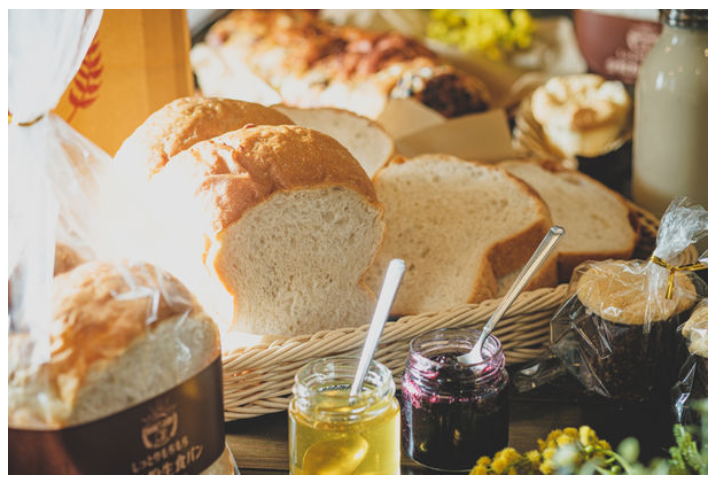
x,y
94,346
617,333
693,380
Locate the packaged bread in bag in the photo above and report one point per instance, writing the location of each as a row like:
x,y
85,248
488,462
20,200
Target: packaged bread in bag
x,y
693,380
133,384
617,333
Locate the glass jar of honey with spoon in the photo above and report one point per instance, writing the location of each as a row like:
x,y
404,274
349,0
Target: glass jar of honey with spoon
x,y
334,433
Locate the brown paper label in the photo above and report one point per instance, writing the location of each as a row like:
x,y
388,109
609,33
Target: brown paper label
x,y
178,432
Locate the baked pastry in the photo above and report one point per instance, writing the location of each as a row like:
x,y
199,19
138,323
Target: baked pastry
x,y
696,333
311,63
366,140
628,339
120,335
596,219
460,226
581,114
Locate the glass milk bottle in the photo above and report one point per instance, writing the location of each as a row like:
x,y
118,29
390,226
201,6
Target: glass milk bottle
x,y
671,117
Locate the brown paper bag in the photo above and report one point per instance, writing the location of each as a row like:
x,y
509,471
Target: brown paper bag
x,y
138,61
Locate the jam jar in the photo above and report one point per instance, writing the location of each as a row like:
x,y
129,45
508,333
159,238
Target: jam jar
x,y
332,433
453,413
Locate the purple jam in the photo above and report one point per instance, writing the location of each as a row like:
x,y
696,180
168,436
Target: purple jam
x,y
453,414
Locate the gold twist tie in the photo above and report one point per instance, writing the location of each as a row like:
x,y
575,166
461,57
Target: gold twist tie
x,y
693,267
25,124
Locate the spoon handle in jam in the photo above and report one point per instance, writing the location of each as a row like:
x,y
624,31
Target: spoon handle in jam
x,y
392,280
538,258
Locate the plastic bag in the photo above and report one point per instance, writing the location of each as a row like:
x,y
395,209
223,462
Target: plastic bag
x,y
693,381
617,333
112,347
51,168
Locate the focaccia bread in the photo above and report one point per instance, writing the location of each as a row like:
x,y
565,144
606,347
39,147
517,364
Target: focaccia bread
x,y
312,63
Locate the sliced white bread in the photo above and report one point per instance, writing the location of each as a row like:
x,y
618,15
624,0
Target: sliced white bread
x,y
284,219
459,225
364,138
596,219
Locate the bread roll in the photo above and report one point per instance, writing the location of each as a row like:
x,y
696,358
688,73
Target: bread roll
x,y
120,334
460,226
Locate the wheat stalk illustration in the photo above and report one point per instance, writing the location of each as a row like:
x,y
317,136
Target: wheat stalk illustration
x,y
84,89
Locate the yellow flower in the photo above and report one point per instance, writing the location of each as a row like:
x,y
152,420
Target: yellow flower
x,y
478,470
499,465
548,453
510,455
534,457
541,444
564,440
483,461
587,435
546,468
571,432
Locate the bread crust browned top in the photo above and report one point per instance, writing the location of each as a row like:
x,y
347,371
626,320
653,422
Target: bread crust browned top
x,y
239,169
185,122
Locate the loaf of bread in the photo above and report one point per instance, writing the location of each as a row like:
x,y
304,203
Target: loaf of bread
x,y
366,140
183,123
120,334
596,219
581,114
460,226
271,227
311,63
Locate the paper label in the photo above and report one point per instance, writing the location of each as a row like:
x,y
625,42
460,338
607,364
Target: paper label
x,y
180,431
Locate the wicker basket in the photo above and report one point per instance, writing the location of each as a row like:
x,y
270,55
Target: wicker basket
x,y
258,379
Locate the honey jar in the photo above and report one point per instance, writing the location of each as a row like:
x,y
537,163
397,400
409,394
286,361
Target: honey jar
x,y
333,433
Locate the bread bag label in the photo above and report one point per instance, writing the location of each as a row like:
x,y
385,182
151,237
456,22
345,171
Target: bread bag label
x,y
180,431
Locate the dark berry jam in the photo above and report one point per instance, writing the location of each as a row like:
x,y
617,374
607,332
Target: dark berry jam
x,y
452,414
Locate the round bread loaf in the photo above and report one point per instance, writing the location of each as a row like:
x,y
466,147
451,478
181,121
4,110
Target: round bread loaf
x,y
120,334
284,219
183,123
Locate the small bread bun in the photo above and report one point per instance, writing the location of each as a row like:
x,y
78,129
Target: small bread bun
x,y
581,114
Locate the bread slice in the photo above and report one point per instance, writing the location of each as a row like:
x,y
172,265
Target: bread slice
x,y
286,222
366,140
596,219
460,226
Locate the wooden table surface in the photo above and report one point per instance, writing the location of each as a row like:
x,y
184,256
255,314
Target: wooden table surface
x,y
260,445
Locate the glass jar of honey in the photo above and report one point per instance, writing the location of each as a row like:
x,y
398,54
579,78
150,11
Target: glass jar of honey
x,y
332,433
453,413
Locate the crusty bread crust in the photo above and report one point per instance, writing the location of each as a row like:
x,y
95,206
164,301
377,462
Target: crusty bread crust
x,y
185,122
288,110
240,169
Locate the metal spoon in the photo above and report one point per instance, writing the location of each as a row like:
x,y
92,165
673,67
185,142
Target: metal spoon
x,y
392,280
535,262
